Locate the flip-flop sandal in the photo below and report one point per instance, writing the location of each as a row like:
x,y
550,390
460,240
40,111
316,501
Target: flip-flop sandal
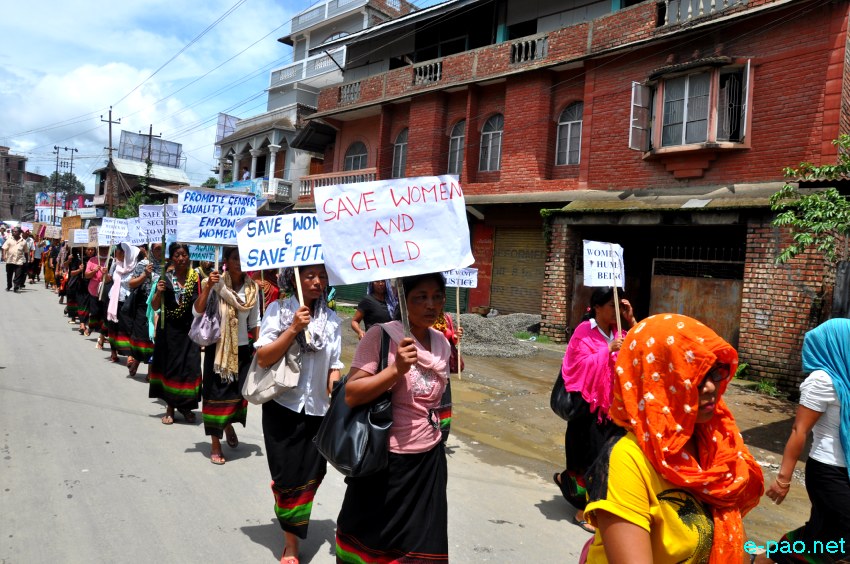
x,y
132,367
167,420
232,440
188,415
584,525
217,459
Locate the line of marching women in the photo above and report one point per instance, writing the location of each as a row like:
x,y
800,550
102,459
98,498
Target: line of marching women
x,y
144,308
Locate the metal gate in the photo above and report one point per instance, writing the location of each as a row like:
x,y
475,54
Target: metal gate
x,y
519,265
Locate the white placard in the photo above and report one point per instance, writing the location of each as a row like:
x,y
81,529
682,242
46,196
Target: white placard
x,y
279,241
202,252
53,232
461,278
603,265
151,219
209,217
112,231
80,237
135,234
393,228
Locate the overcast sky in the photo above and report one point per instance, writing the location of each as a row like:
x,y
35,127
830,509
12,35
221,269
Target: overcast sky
x,y
66,62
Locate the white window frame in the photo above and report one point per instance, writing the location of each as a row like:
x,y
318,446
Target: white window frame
x,y
568,126
400,154
355,161
490,157
457,139
647,112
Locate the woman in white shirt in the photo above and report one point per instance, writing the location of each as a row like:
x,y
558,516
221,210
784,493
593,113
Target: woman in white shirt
x,y
291,420
226,362
823,409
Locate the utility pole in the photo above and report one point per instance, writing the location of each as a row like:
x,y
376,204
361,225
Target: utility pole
x,y
110,167
65,164
149,162
55,183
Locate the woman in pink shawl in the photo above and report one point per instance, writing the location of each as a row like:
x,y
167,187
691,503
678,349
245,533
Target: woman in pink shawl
x,y
588,372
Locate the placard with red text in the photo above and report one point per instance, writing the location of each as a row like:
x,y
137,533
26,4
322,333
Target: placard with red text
x,y
392,228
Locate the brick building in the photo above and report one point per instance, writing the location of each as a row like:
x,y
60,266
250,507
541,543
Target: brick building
x,y
13,171
659,125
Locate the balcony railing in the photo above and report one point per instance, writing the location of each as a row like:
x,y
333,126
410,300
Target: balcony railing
x,y
308,68
324,11
349,93
428,73
278,189
308,183
680,11
531,49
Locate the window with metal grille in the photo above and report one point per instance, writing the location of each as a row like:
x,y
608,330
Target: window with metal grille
x,y
491,144
400,154
355,156
568,145
456,141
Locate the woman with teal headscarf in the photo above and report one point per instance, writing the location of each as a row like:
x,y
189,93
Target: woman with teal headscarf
x,y
825,410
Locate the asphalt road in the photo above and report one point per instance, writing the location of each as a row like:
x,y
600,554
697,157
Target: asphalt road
x,y
89,474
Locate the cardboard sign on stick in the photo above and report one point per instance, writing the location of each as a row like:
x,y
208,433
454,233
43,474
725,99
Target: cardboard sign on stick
x,y
112,231
461,278
603,264
151,220
209,217
135,233
80,237
393,228
279,241
202,252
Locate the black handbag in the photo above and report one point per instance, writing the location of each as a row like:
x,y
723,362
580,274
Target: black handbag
x,y
354,440
567,405
128,306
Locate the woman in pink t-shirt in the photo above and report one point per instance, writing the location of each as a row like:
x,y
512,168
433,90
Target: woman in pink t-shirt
x,y
401,513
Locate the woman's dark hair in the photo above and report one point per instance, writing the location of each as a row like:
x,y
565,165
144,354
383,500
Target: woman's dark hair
x,y
409,283
601,296
175,246
227,251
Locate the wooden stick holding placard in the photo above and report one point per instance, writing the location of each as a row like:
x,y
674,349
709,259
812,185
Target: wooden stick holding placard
x,y
162,265
300,296
215,249
459,369
263,300
616,296
402,306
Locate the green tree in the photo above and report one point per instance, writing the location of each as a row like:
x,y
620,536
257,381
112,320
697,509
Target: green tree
x,y
210,182
816,219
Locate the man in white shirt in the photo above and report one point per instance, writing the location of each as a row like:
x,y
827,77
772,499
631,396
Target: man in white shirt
x,y
15,250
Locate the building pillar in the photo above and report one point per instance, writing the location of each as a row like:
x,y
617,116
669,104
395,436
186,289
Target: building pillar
x,y
221,162
237,167
255,153
273,149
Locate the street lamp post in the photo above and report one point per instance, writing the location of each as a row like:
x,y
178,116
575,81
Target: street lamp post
x,y
55,184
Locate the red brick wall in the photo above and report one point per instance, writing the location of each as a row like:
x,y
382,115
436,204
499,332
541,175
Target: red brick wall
x,y
366,130
558,283
427,142
779,304
523,156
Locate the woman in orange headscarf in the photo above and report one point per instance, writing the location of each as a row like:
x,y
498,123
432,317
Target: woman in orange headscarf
x,y
676,487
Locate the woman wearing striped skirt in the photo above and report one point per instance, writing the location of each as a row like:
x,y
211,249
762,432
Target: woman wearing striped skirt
x,y
90,269
175,373
141,344
126,256
400,514
226,362
291,420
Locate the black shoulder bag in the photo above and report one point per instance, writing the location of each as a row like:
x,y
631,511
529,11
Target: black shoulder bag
x,y
354,440
567,405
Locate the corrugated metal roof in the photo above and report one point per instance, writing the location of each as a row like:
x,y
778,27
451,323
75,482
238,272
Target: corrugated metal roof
x,y
159,172
734,196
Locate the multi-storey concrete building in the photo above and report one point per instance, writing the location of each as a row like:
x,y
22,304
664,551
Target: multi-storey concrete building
x,y
260,147
661,125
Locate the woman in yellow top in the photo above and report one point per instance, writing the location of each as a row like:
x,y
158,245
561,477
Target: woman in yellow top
x,y
676,487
